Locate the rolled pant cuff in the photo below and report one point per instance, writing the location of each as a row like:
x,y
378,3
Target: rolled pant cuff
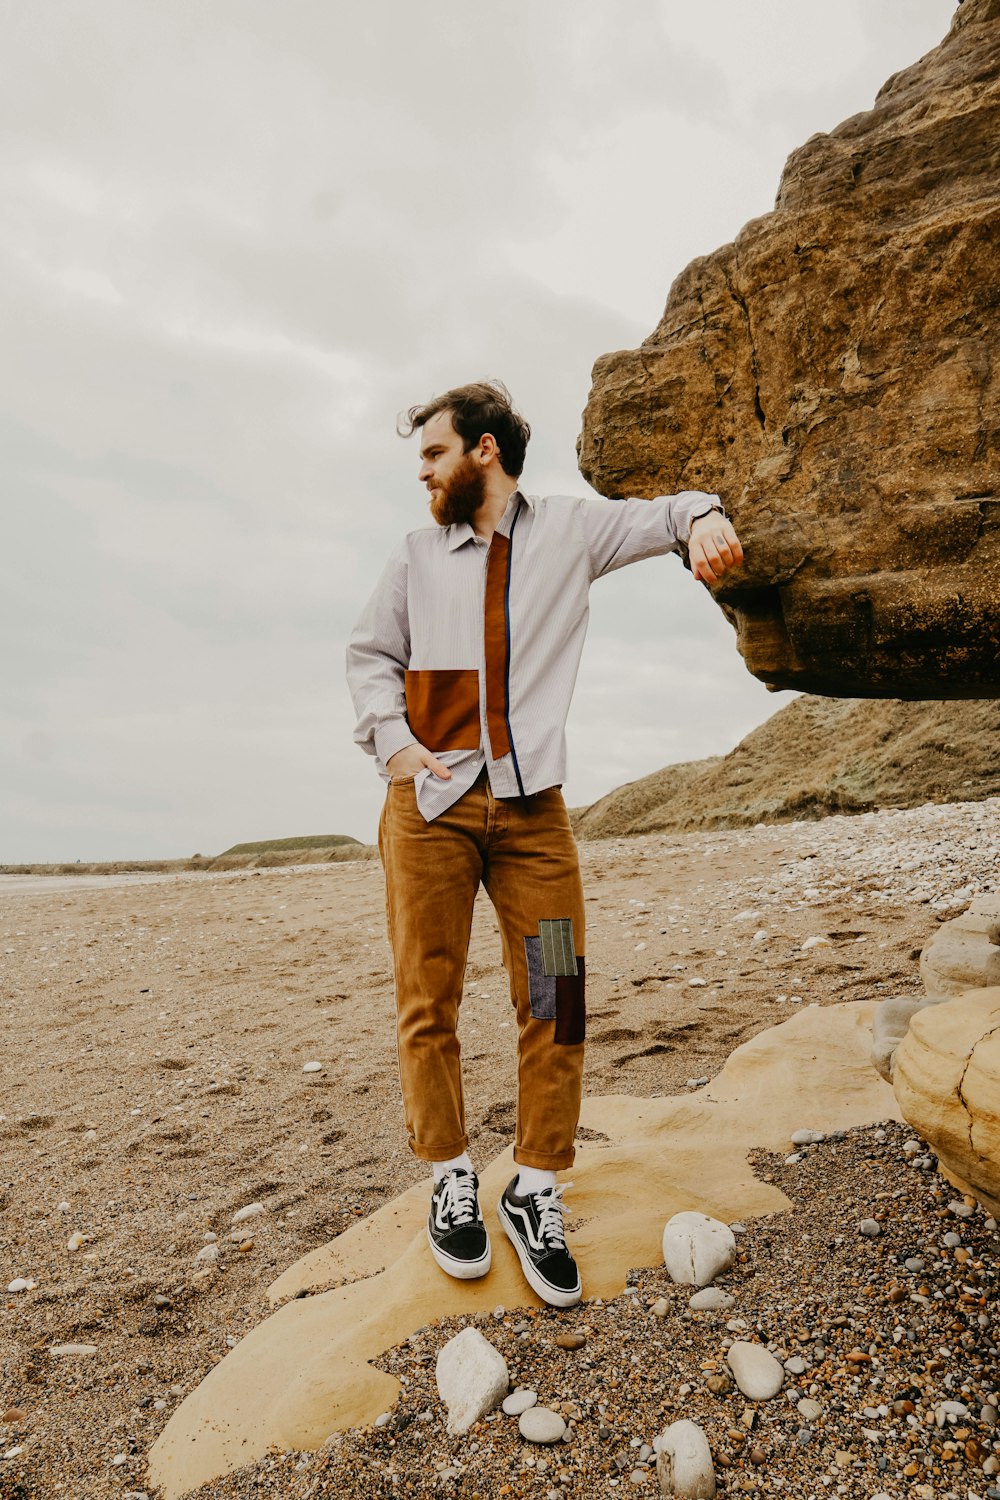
x,y
440,1153
547,1161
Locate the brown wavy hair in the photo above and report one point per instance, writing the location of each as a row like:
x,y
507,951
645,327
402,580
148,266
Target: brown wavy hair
x,y
482,407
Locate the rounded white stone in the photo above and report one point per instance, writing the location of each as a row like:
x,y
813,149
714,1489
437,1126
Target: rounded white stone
x,y
312,1067
697,1248
472,1378
684,1463
519,1401
755,1370
247,1213
541,1425
711,1299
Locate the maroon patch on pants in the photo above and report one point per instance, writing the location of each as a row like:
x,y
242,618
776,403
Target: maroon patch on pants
x,y
571,1010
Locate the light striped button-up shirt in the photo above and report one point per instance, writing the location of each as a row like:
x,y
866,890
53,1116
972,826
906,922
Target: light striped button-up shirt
x,y
472,649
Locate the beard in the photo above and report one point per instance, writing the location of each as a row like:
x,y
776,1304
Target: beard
x,y
460,497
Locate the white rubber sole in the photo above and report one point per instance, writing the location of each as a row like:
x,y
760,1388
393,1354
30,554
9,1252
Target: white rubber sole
x,y
462,1270
555,1296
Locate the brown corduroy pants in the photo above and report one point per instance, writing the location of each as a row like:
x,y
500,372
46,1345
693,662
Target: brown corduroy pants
x,y
523,852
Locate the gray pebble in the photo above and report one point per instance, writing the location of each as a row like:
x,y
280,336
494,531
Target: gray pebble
x,y
870,1228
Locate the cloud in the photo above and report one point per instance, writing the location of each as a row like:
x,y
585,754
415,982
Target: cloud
x,y
237,240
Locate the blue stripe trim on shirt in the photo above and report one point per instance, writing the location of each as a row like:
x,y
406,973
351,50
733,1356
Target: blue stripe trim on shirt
x,y
506,684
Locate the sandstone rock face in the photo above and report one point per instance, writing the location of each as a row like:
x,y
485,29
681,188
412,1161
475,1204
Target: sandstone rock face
x,y
890,1024
834,375
964,954
947,1080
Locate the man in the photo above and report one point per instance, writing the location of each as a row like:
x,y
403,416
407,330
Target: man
x,y
461,668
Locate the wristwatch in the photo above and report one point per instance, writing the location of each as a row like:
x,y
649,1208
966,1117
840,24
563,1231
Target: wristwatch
x,y
707,511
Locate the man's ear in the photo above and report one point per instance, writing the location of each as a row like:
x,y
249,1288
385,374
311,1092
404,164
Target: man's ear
x,y
488,447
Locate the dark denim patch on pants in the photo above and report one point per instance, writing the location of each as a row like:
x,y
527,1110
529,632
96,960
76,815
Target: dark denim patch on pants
x,y
541,986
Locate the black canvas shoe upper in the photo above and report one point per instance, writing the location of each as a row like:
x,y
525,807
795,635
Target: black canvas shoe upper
x,y
536,1225
455,1225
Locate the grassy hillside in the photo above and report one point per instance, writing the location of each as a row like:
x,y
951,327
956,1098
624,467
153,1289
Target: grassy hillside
x,y
813,757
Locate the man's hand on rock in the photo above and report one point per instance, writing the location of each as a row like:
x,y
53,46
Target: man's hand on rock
x,y
713,547
413,758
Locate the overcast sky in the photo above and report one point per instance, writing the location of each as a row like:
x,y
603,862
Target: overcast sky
x,y
236,238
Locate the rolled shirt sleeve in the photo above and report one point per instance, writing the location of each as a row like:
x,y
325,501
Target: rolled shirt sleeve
x,y
618,532
377,657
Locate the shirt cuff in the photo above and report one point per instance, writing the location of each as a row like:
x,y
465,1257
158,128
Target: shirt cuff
x,y
393,735
693,505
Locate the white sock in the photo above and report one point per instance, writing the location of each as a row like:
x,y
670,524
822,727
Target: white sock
x,y
442,1168
533,1180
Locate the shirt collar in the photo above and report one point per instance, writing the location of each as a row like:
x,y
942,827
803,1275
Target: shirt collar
x,y
461,532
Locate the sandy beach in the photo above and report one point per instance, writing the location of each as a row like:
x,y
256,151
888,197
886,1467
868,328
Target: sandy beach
x,y
156,1030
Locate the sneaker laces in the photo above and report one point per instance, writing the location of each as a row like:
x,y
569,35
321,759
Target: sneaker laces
x,y
458,1197
551,1213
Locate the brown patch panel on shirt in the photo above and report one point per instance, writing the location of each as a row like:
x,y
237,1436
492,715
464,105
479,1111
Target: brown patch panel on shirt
x,y
495,637
442,707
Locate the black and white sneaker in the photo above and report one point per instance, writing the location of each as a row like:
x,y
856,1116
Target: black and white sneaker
x,y
534,1225
458,1239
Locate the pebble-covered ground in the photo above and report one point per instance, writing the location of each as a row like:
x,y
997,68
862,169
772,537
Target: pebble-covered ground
x,y
156,1036
889,1344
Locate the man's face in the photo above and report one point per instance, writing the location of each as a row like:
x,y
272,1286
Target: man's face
x,y
455,480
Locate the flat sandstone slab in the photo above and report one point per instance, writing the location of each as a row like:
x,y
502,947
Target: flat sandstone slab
x,y
305,1371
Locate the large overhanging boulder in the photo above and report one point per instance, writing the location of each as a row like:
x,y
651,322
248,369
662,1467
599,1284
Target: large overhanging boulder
x,y
834,374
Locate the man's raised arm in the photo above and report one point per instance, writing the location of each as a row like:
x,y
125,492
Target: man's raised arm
x,y
618,532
